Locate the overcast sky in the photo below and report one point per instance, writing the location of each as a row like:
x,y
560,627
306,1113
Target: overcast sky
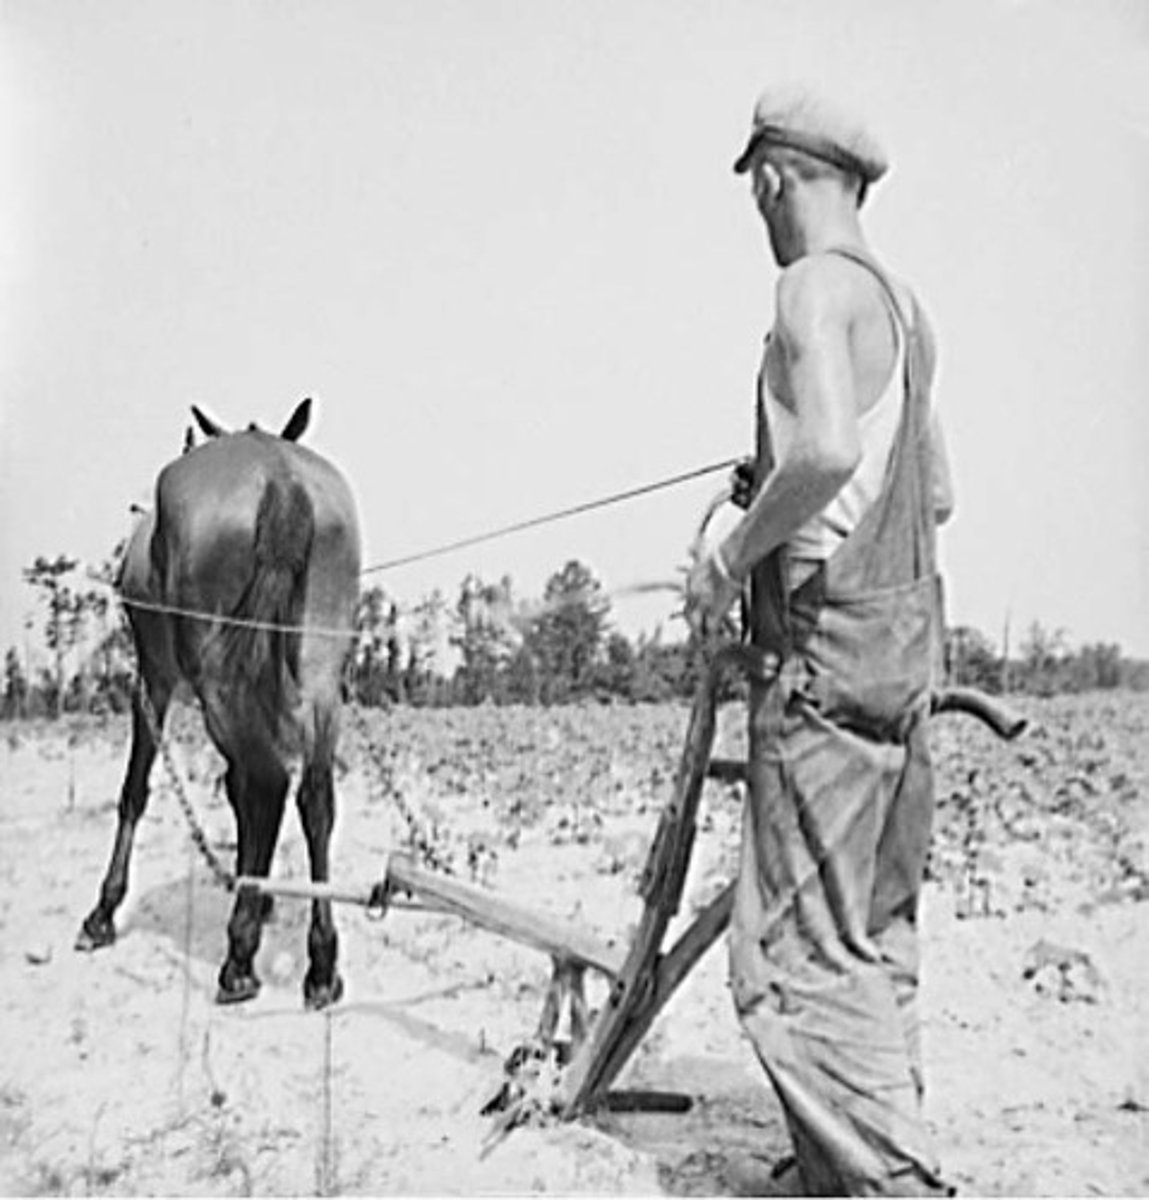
x,y
502,246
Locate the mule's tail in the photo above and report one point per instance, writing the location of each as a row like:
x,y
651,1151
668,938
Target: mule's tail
x,y
262,656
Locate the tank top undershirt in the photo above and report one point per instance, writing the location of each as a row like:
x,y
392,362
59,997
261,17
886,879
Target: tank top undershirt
x,y
819,537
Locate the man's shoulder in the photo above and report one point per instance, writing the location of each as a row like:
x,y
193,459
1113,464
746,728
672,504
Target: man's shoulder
x,y
816,289
838,287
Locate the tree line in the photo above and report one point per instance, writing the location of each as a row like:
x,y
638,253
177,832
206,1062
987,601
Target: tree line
x,y
487,646
1045,665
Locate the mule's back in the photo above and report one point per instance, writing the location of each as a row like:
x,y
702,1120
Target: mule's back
x,y
208,502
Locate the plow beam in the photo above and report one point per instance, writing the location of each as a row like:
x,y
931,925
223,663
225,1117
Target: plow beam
x,y
565,943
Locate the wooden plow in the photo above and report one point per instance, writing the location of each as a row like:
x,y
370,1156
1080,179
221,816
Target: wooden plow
x,y
572,1077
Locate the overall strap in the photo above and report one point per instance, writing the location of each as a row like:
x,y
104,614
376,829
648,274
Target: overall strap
x,y
911,372
893,541
911,363
866,261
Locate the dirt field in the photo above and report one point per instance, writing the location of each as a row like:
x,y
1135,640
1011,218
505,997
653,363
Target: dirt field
x,y
118,1074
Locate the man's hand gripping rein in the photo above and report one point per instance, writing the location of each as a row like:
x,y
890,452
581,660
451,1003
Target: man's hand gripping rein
x,y
710,587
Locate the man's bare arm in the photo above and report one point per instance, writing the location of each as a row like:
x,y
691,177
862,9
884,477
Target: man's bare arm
x,y
812,328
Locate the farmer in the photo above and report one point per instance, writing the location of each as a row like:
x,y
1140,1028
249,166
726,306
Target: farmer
x,y
837,544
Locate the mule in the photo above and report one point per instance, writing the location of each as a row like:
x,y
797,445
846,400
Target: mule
x,y
254,527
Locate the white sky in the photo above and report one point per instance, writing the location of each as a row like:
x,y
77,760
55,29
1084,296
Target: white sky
x,y
502,246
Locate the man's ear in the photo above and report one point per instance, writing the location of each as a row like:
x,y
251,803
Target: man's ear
x,y
770,180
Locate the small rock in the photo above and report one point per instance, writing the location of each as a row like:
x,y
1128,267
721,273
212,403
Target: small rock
x,y
1063,972
38,956
283,966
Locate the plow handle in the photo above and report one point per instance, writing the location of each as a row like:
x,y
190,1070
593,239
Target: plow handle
x,y
1004,720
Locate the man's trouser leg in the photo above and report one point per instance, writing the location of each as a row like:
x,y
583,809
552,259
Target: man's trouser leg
x,y
823,1002
901,865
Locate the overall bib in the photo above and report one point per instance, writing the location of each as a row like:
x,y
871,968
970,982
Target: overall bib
x,y
823,945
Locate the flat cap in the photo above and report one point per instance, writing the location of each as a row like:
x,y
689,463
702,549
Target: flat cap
x,y
798,118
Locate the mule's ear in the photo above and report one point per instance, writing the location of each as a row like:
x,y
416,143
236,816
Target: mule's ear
x,y
189,439
210,427
298,421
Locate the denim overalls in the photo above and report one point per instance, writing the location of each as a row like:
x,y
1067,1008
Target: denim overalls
x,y
823,947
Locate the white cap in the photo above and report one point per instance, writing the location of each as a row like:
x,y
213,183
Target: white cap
x,y
798,118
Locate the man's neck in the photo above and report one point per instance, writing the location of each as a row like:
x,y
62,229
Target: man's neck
x,y
819,222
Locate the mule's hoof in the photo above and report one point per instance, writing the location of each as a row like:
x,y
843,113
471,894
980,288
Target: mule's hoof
x,y
322,995
236,986
96,932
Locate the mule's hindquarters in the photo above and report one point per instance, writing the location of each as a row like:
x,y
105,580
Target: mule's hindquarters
x,y
281,676
257,787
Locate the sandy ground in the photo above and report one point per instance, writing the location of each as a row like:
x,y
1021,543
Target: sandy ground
x,y
119,1075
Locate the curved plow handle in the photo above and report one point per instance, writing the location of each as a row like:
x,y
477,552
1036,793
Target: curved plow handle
x,y
708,514
1003,719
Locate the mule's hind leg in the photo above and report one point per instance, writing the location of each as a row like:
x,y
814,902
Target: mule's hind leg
x,y
258,798
322,985
99,928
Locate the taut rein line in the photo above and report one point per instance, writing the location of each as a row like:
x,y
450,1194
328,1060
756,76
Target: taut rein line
x,y
558,515
651,586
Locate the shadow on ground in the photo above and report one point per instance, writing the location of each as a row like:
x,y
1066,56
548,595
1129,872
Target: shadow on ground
x,y
727,1143
192,914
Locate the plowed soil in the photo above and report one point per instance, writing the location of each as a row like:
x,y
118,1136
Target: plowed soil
x,y
119,1075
